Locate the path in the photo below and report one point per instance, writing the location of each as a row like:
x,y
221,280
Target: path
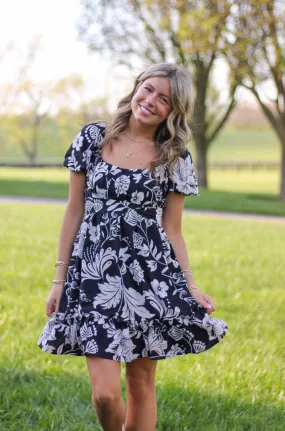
x,y
199,213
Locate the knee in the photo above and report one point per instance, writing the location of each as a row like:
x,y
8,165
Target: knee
x,y
140,391
105,399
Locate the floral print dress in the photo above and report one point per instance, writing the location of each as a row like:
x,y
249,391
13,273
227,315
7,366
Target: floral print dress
x,y
125,296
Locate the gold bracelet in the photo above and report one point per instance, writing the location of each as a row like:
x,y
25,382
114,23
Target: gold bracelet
x,y
60,263
193,287
58,281
189,275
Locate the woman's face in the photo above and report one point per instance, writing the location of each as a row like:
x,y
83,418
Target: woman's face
x,y
151,103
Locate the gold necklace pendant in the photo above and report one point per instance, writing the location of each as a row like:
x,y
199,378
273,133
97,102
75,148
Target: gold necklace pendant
x,y
128,155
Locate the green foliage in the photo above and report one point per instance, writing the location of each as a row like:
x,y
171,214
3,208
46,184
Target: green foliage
x,y
54,134
237,386
34,129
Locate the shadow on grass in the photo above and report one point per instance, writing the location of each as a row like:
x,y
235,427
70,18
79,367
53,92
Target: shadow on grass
x,y
251,203
45,402
258,197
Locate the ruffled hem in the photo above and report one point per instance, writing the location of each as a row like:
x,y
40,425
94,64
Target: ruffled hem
x,y
124,341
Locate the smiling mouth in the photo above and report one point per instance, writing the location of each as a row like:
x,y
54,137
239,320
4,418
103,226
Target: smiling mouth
x,y
145,110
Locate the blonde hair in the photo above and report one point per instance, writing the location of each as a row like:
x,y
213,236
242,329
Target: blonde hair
x,y
172,135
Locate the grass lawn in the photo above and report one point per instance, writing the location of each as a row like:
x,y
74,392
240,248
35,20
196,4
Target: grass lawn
x,y
245,145
236,386
230,190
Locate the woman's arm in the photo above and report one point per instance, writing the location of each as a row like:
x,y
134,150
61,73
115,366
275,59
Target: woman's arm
x,y
172,224
72,219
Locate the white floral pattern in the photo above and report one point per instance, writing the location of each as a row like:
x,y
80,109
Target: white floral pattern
x,y
160,288
125,296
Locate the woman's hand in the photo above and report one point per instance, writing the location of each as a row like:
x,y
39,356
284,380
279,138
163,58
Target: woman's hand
x,y
52,302
205,300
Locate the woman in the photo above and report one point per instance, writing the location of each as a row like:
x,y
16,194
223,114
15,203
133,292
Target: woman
x,y
124,290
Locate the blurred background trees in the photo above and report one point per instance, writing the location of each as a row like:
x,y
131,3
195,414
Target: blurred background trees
x,y
139,32
38,115
256,54
248,36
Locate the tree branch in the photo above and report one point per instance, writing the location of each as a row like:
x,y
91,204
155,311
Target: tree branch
x,y
151,31
223,120
176,43
269,114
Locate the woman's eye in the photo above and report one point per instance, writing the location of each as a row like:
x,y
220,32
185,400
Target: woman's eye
x,y
164,100
147,88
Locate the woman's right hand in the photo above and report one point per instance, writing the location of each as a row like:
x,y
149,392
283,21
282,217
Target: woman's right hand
x,y
52,302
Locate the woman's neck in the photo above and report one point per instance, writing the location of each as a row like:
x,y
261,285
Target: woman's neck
x,y
138,131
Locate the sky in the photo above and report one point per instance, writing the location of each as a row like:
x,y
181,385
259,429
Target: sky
x,y
61,53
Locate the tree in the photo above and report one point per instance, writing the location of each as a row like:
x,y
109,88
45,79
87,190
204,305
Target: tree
x,y
22,100
256,52
186,32
31,120
75,108
50,112
72,95
19,63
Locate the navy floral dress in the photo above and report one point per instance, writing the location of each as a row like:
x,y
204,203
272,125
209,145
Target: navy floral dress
x,y
125,296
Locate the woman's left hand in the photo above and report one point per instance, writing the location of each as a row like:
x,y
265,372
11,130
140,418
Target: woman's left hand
x,y
205,300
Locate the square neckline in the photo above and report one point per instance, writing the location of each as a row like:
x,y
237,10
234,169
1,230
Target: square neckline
x,y
116,166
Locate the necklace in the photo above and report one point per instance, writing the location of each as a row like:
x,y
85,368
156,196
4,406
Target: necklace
x,y
137,140
128,154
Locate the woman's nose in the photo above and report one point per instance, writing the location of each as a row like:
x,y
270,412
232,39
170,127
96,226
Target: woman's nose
x,y
150,100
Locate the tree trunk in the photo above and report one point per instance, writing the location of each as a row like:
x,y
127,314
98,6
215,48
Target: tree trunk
x,y
282,179
202,165
277,123
32,159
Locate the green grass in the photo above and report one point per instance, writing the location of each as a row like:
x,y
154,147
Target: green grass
x,y
236,386
238,191
245,145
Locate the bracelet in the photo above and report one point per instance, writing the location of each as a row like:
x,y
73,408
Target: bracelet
x,y
187,270
190,273
193,287
60,263
58,281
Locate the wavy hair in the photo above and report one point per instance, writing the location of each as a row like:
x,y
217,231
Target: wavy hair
x,y
172,135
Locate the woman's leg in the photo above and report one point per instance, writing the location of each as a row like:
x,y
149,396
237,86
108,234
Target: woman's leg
x,y
105,378
140,379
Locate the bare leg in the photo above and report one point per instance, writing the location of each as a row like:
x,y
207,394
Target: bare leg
x,y
140,379
105,378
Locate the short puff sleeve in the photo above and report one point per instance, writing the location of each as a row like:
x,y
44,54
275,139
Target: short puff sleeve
x,y
79,153
182,178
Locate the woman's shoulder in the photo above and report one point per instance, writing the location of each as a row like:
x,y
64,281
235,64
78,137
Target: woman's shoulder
x,y
93,132
83,146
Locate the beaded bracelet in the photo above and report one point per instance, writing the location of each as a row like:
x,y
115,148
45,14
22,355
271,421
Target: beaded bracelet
x,y
60,263
188,270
